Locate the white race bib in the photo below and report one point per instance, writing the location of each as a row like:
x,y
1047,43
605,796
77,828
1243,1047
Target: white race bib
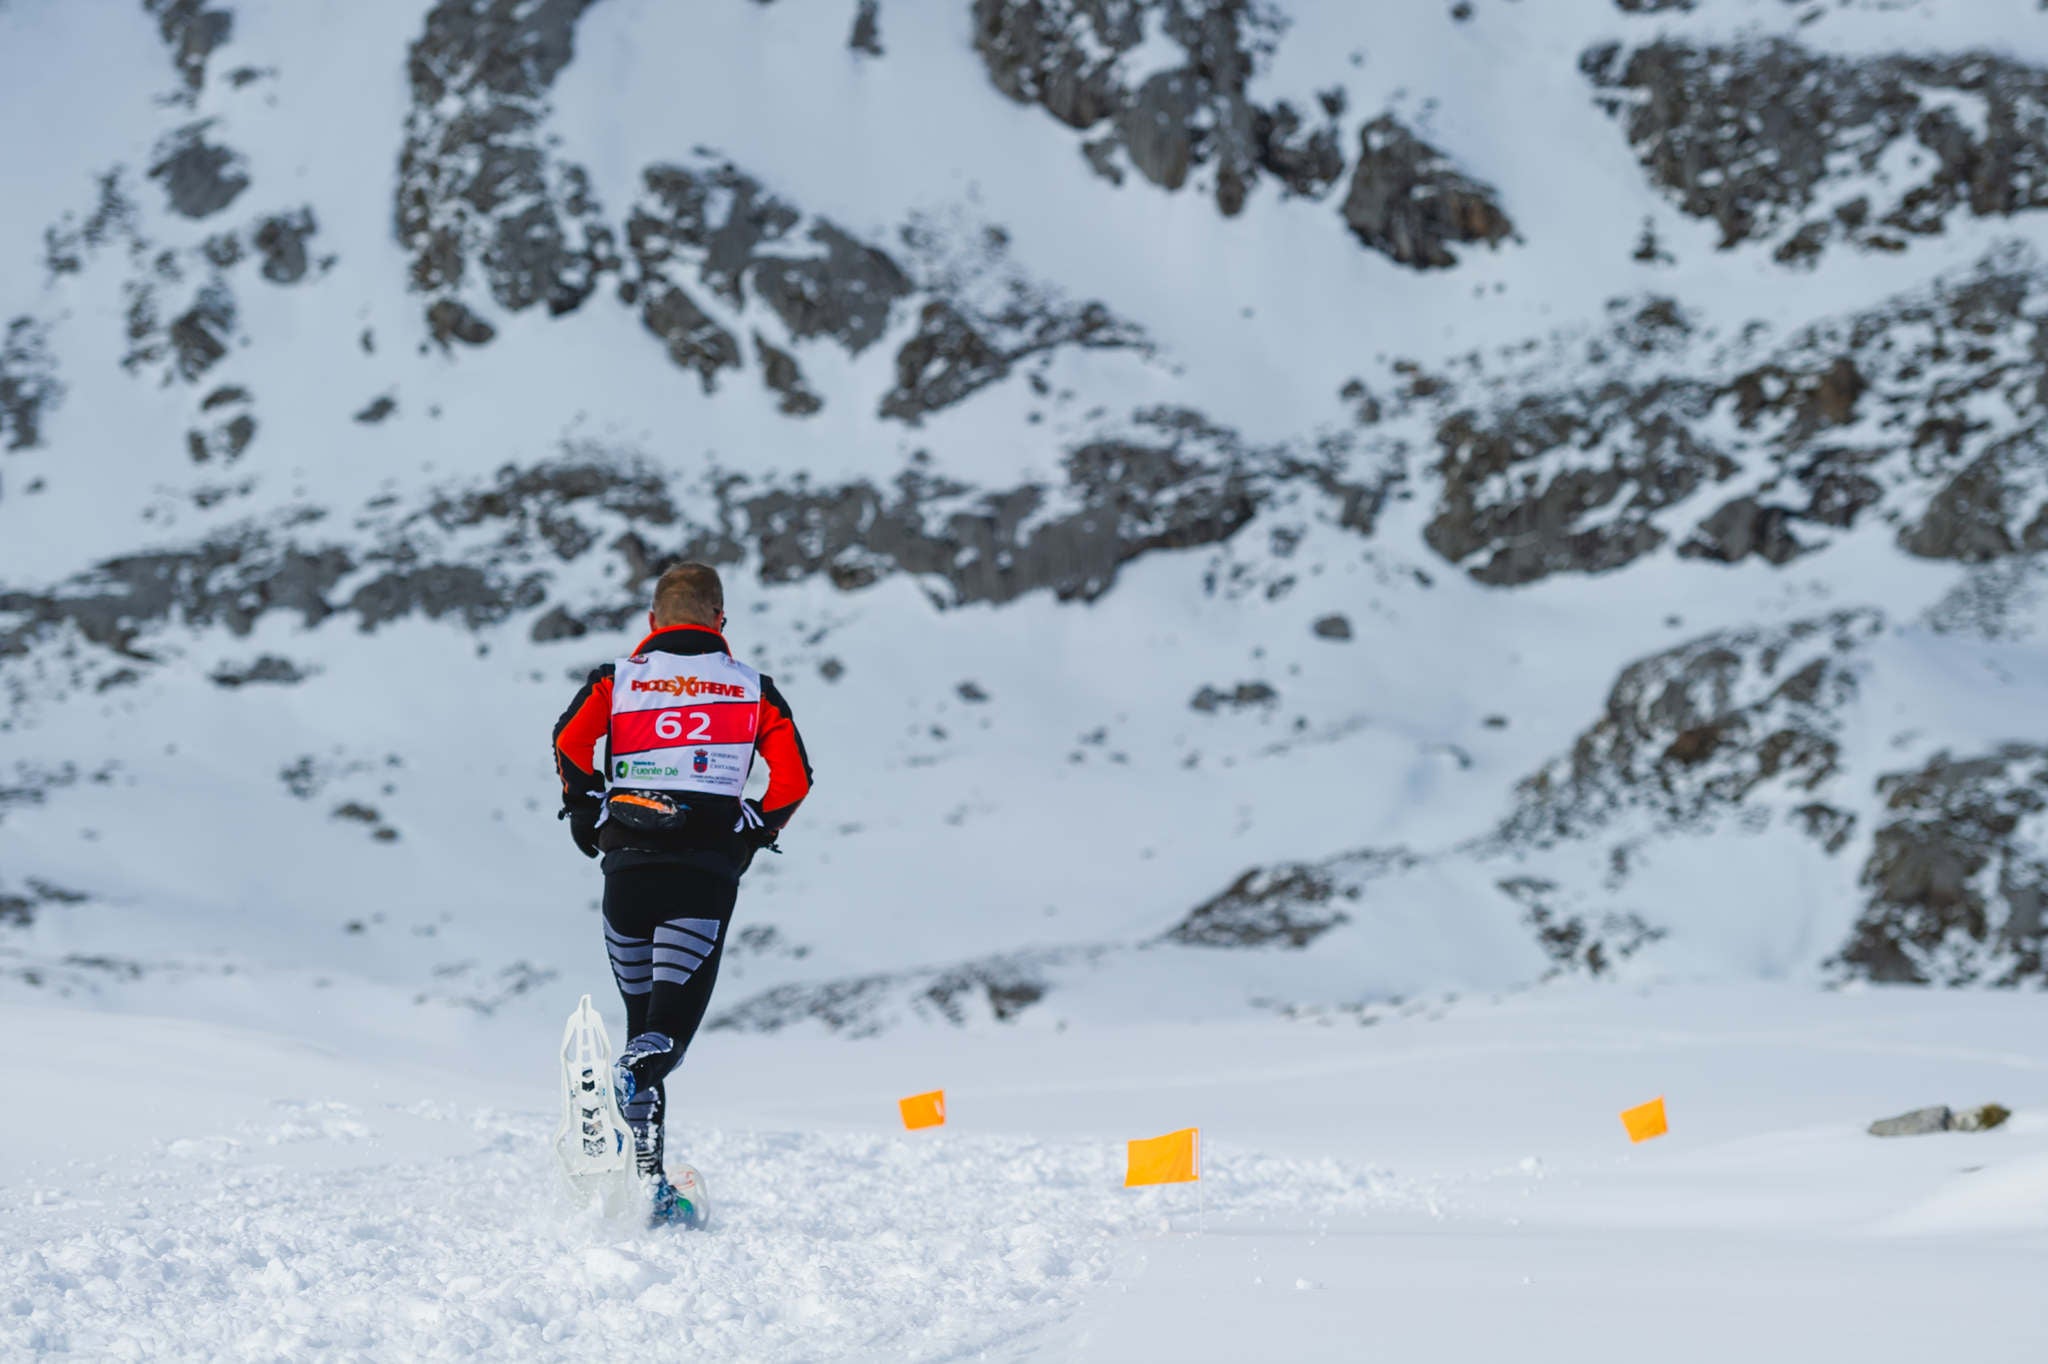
x,y
683,722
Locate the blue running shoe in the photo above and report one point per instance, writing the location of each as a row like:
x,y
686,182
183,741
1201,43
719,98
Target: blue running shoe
x,y
679,1207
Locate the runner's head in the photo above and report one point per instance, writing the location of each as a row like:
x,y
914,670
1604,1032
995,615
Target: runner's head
x,y
688,594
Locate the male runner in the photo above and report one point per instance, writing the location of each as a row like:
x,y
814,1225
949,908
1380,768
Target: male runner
x,y
681,721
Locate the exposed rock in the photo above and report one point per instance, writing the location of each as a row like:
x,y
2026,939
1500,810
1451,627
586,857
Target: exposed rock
x,y
1982,1118
355,812
995,989
1170,487
114,218
18,909
1933,400
1337,627
1410,203
480,198
268,668
200,177
1703,728
29,390
1287,906
950,357
1577,941
1825,824
474,595
1918,1123
783,375
450,319
1209,700
1079,60
718,227
199,336
867,28
1631,461
972,693
558,624
282,242
377,410
1744,527
232,581
1774,142
694,341
193,31
229,429
1958,874
481,556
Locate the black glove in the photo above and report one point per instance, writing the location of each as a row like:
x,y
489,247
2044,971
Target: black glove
x,y
754,827
754,834
582,827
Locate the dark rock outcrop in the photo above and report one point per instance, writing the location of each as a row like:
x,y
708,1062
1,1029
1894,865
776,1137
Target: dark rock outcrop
x,y
1243,696
1771,141
199,336
1936,401
1074,58
228,426
1958,874
200,178
1409,203
1287,906
1634,454
480,199
1696,731
29,389
281,241
993,989
1577,941
785,377
193,31
867,28
1918,1123
265,669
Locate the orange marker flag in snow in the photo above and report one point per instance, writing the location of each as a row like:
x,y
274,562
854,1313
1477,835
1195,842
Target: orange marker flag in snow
x,y
1646,1120
1174,1158
924,1110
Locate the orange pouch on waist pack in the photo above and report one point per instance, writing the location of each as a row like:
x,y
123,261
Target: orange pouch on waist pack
x,y
645,812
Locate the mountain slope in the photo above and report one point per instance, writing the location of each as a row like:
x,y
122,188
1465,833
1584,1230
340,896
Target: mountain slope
x,y
1249,514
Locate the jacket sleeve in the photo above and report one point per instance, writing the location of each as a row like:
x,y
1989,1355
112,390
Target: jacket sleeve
x,y
586,721
782,748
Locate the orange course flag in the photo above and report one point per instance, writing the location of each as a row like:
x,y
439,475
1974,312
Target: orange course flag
x,y
1646,1120
924,1110
1174,1158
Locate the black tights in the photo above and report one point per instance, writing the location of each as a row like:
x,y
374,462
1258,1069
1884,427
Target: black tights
x,y
664,927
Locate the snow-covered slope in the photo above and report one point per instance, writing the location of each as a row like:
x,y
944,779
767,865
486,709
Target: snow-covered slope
x,y
1260,506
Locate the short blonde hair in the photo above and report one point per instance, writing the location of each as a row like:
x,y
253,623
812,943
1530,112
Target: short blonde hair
x,y
689,594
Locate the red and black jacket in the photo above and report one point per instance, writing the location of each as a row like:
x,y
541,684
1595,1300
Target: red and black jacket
x,y
777,743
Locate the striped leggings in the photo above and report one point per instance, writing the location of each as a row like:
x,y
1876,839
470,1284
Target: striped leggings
x,y
664,929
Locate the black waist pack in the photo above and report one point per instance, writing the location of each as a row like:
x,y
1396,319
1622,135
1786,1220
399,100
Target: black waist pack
x,y
646,812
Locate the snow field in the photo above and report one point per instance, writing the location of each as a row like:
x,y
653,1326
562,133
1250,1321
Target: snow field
x,y
1450,1184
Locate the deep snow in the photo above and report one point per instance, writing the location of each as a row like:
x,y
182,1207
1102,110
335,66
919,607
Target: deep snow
x,y
1451,1183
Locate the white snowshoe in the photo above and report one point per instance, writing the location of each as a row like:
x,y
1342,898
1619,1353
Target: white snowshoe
x,y
593,1143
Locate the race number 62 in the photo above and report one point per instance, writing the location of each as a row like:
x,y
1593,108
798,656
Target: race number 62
x,y
669,725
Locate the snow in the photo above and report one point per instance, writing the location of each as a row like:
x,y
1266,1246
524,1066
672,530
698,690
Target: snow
x,y
1454,1183
285,1092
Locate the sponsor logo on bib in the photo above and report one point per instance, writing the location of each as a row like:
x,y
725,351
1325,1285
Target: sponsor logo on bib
x,y
701,761
689,686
